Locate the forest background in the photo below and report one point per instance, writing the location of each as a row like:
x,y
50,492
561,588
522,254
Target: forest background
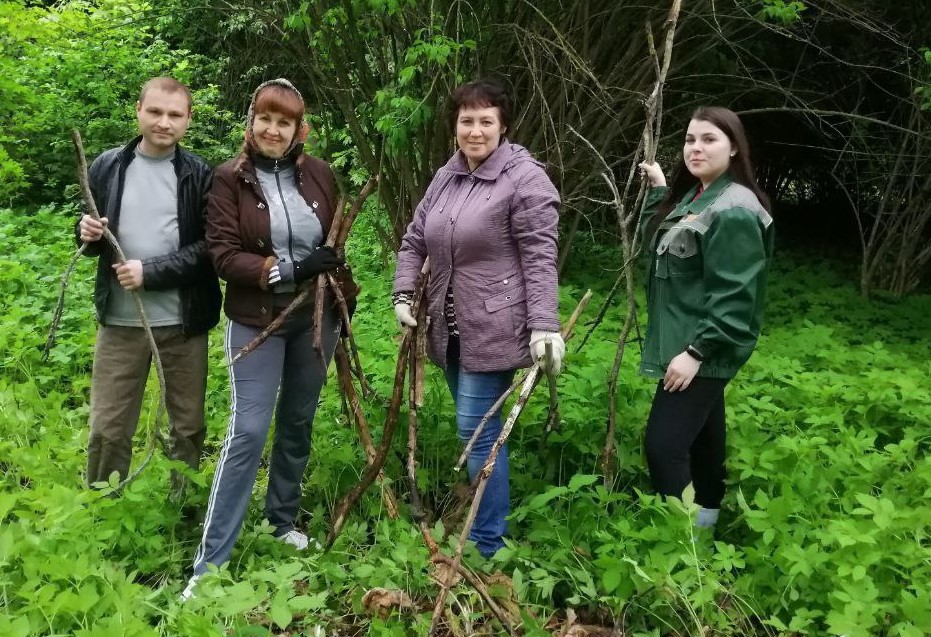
x,y
826,524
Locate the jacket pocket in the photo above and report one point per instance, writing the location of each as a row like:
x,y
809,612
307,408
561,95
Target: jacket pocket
x,y
683,245
505,299
679,250
509,309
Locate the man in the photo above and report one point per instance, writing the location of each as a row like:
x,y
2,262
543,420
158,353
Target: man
x,y
153,197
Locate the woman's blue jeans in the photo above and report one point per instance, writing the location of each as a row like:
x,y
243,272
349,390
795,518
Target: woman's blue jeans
x,y
474,394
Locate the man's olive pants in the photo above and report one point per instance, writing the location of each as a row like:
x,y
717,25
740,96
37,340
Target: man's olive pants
x,y
122,359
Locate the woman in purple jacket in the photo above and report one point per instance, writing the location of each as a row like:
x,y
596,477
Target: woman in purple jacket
x,y
488,224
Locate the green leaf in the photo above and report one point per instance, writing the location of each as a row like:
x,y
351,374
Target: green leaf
x,y
279,612
582,480
610,580
307,603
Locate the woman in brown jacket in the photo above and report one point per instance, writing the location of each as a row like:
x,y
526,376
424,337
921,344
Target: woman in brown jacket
x,y
269,210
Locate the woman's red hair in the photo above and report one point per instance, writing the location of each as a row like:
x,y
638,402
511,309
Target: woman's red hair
x,y
275,98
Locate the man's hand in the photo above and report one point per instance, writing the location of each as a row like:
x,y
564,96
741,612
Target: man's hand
x,y
680,372
129,274
91,229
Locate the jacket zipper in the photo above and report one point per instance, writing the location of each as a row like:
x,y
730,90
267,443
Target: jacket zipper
x,y
452,237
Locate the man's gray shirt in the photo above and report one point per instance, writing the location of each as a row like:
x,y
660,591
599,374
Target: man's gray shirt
x,y
148,227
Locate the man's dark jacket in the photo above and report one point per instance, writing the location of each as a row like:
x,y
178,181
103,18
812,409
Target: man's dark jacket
x,y
189,268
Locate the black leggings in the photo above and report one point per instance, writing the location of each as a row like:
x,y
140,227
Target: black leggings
x,y
685,441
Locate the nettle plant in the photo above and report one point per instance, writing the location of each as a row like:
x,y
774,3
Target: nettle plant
x,y
825,528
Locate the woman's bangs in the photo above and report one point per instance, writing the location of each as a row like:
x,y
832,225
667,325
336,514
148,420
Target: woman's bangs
x,y
278,99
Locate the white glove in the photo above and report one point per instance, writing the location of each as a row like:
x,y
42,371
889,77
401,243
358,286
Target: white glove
x,y
403,312
538,340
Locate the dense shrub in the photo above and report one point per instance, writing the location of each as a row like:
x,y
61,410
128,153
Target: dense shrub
x,y
825,529
81,64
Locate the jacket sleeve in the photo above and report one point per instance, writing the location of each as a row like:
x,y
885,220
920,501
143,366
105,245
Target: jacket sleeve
x,y
534,228
413,250
94,177
187,265
734,266
654,198
224,243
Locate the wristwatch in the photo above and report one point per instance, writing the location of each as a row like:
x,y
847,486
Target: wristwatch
x,y
692,351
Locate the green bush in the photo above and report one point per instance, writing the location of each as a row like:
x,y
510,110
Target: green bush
x,y
81,64
825,528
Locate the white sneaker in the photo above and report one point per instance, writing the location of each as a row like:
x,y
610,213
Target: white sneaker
x,y
295,538
188,591
707,518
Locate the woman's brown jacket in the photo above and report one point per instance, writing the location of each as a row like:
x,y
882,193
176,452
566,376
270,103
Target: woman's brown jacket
x,y
239,233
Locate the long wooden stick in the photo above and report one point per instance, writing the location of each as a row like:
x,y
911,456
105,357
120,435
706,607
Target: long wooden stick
x,y
279,320
60,306
336,238
415,377
629,244
155,435
476,582
481,480
391,420
552,418
367,390
484,421
573,319
344,376
350,218
320,294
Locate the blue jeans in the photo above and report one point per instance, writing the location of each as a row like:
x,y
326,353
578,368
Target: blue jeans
x,y
474,394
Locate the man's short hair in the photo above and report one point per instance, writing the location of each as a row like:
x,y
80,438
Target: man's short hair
x,y
169,85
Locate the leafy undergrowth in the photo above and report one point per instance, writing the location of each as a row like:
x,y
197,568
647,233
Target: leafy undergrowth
x,y
825,528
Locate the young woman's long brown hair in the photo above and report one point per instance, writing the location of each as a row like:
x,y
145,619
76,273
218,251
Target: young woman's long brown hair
x,y
740,168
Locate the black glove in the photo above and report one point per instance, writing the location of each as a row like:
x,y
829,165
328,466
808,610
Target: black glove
x,y
323,259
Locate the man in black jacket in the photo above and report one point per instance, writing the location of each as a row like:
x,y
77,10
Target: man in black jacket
x,y
153,196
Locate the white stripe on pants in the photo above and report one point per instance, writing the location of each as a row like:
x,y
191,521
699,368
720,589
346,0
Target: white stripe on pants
x,y
285,367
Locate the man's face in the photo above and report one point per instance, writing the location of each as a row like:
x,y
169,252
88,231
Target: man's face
x,y
163,120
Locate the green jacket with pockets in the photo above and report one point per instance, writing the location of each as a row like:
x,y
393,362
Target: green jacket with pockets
x,y
707,278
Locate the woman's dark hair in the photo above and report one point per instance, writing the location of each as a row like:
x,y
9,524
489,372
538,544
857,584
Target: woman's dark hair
x,y
484,93
740,168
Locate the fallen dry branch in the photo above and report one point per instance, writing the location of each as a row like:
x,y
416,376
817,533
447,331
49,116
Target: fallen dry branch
x,y
552,418
155,435
484,421
475,581
391,420
60,306
626,221
348,390
250,347
567,335
355,362
414,401
481,480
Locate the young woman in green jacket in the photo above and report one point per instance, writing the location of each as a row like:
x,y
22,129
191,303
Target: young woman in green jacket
x,y
709,236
